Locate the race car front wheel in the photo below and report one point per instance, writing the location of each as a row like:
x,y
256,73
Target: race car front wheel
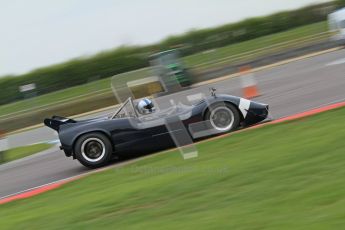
x,y
93,150
223,117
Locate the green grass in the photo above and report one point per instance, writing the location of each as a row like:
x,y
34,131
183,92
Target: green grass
x,y
286,176
51,98
70,94
205,60
211,59
21,152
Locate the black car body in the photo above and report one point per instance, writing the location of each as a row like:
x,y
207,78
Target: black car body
x,y
133,133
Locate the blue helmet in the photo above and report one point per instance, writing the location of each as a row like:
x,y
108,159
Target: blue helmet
x,y
145,106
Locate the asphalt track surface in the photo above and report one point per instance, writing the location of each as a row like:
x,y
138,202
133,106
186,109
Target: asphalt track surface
x,y
288,89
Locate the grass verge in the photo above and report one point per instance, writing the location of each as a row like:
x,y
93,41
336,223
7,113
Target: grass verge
x,y
263,45
285,176
21,152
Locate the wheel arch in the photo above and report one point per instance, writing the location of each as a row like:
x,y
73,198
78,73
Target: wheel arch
x,y
221,102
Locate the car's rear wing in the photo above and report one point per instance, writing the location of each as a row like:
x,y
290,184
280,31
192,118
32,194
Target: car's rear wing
x,y
55,122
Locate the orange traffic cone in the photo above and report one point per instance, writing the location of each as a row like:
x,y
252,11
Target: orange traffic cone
x,y
249,85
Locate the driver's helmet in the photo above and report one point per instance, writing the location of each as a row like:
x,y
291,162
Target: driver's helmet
x,y
145,106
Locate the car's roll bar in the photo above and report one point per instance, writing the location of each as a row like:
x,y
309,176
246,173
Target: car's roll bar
x,y
130,101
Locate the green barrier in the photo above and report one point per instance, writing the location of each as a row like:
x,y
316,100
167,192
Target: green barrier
x,y
3,146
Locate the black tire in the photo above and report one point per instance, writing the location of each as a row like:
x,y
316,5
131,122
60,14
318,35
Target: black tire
x,y
225,108
93,150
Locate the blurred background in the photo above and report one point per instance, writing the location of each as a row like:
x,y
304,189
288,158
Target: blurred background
x,y
59,58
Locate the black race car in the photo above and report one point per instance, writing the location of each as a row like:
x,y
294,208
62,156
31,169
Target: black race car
x,y
141,128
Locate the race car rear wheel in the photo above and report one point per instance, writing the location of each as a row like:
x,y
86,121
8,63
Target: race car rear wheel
x,y
223,117
93,150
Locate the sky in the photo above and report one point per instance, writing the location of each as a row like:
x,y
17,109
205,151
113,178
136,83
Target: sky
x,y
38,33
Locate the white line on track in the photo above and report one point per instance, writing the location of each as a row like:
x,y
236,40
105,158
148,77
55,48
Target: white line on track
x,y
37,187
337,62
85,174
